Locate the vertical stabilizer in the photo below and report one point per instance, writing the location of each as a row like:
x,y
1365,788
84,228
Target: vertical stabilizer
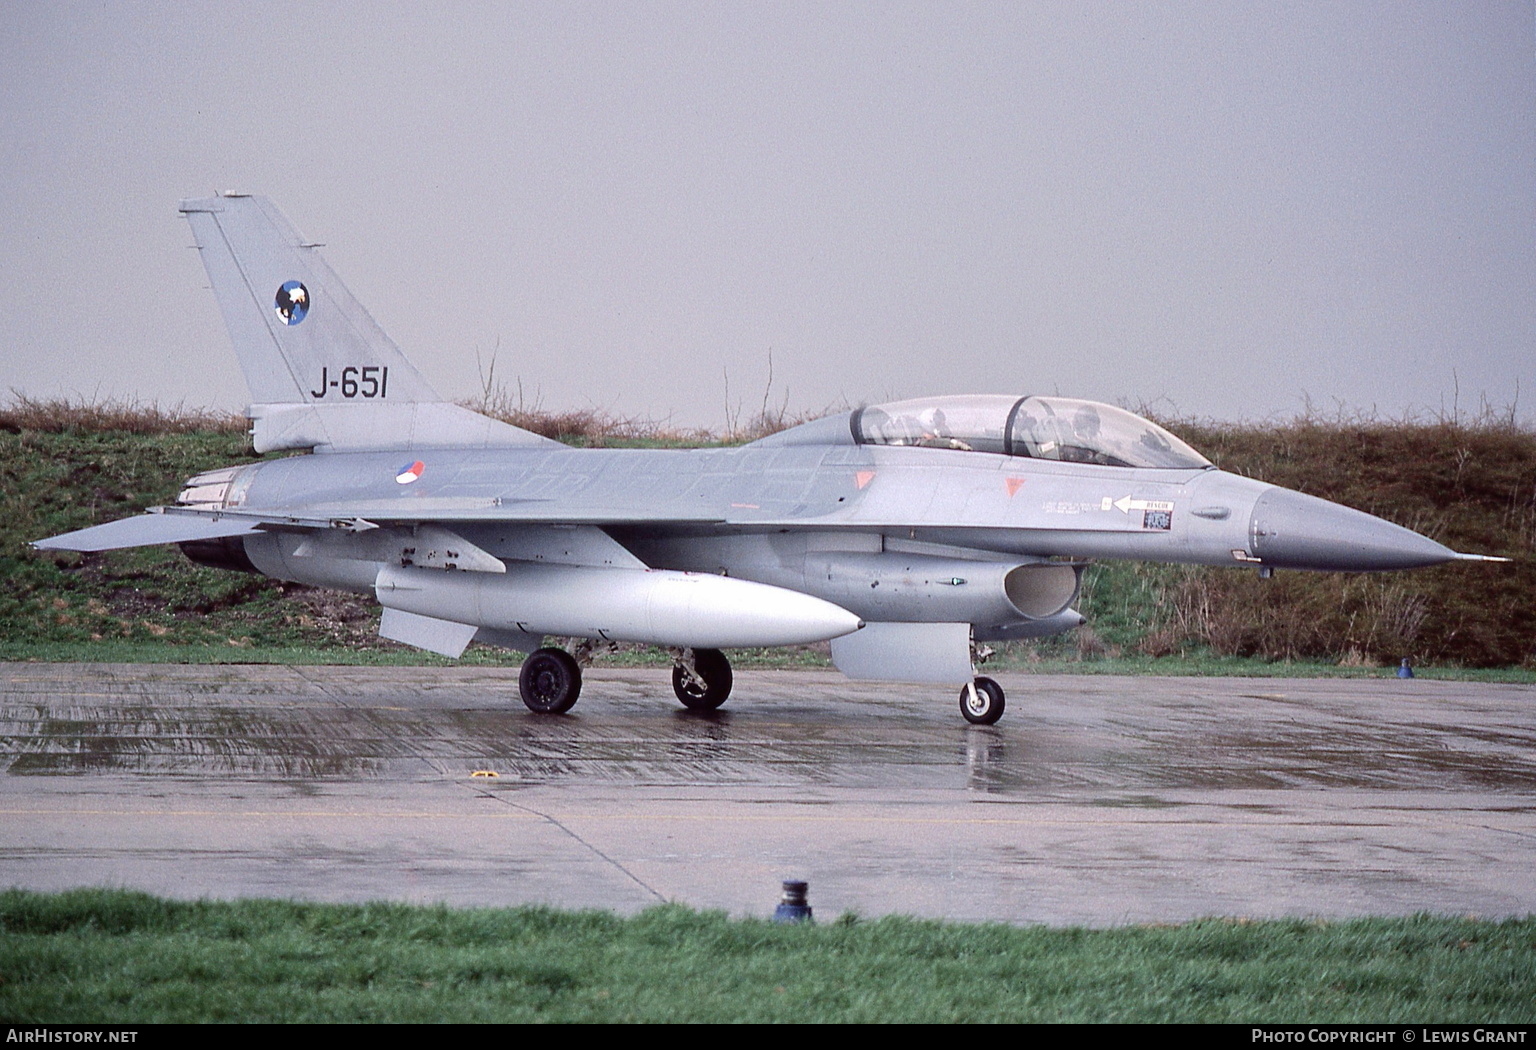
x,y
296,328
321,372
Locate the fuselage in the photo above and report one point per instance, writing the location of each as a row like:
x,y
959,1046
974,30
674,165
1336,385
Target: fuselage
x,y
826,519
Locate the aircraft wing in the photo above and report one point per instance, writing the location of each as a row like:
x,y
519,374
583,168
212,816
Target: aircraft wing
x,y
165,525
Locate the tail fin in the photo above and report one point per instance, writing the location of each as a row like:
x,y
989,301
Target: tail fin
x,y
321,372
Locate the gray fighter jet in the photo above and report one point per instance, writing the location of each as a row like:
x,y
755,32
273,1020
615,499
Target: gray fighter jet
x,y
906,534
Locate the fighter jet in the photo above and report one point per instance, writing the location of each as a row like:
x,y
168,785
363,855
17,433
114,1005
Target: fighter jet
x,y
908,535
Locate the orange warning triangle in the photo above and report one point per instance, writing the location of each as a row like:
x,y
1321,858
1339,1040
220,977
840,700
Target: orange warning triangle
x,y
1014,484
863,477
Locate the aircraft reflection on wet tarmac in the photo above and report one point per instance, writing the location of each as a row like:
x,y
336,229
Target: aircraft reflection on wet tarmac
x,y
1114,800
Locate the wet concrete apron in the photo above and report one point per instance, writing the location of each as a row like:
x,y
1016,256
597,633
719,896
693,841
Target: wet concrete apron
x,y
1096,800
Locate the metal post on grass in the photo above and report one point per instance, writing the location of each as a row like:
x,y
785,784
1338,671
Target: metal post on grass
x,y
793,906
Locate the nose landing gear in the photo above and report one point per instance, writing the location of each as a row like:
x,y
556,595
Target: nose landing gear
x,y
982,702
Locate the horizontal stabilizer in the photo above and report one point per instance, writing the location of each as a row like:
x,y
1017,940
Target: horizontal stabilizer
x,y
148,530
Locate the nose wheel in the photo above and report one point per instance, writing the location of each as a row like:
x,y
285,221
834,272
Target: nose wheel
x,y
549,682
982,702
702,681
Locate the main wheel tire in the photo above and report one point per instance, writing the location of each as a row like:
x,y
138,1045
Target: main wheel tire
x,y
549,682
712,666
988,706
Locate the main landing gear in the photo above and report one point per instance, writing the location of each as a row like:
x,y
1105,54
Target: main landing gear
x,y
701,678
550,681
982,702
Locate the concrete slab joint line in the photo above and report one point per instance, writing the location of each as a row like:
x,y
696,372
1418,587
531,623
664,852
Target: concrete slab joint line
x,y
568,830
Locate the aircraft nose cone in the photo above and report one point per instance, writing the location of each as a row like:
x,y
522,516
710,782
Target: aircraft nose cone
x,y
1290,530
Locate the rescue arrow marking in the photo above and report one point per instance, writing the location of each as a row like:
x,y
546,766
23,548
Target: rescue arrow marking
x,y
1125,504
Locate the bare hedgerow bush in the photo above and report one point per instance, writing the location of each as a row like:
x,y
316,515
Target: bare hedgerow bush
x,y
596,428
1296,615
1469,484
587,427
61,414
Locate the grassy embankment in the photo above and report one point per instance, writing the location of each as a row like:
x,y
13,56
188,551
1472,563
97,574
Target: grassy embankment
x,y
121,958
1470,485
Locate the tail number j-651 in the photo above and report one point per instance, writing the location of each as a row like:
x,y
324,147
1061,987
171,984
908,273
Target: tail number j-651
x,y
370,381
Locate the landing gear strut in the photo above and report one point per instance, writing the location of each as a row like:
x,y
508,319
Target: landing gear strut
x,y
701,678
982,702
550,681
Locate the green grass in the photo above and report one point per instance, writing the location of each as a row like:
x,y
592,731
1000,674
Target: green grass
x,y
121,958
1207,665
380,655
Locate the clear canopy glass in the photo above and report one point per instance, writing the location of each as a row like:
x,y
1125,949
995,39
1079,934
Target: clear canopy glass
x,y
1059,428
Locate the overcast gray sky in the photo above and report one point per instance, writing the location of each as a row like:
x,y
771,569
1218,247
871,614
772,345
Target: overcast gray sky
x,y
1224,209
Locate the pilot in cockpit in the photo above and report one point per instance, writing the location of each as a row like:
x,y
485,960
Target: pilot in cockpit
x,y
936,433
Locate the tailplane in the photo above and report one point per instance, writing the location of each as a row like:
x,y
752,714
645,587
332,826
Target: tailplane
x,y
321,372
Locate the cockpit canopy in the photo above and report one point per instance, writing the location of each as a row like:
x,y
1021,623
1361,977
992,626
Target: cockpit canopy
x,y
1059,428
